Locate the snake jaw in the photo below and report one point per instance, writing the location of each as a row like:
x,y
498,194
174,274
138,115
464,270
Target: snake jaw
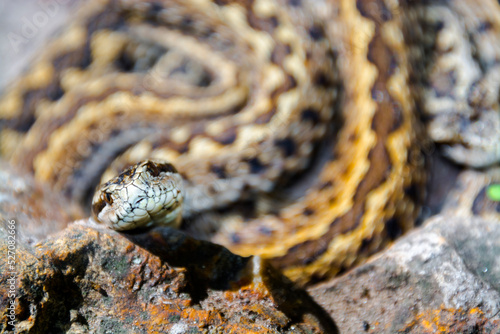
x,y
148,193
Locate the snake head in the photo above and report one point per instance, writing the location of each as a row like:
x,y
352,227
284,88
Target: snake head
x,y
146,194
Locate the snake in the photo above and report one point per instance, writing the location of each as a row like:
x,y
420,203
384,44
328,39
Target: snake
x,y
297,128
146,194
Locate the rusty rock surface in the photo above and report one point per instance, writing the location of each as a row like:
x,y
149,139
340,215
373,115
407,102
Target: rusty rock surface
x,y
91,279
441,278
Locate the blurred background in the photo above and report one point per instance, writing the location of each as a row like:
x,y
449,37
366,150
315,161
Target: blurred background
x,y
24,27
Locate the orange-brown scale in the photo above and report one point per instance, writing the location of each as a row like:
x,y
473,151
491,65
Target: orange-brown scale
x,y
387,119
323,51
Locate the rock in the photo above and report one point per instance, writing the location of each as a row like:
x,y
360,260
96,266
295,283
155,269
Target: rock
x,y
441,278
36,210
90,279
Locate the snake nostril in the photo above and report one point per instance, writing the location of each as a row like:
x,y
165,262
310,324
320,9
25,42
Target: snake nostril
x,y
97,207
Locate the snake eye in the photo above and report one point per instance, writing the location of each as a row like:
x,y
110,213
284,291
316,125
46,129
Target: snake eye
x,y
167,168
108,198
153,170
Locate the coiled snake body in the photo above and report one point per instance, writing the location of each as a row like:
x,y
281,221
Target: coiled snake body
x,y
292,123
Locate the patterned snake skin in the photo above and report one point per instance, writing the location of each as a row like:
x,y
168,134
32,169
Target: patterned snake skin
x,y
295,124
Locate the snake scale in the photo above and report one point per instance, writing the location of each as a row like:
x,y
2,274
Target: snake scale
x,y
295,124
